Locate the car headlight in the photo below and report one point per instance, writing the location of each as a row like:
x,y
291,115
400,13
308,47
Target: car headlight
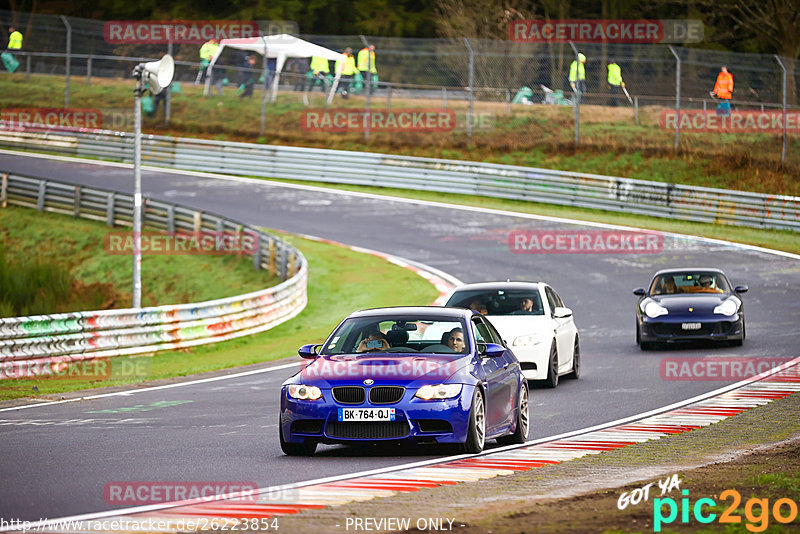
x,y
304,392
439,391
729,307
654,309
527,341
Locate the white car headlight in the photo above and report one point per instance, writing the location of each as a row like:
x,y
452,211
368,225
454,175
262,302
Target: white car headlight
x,y
439,391
304,392
654,309
527,341
729,307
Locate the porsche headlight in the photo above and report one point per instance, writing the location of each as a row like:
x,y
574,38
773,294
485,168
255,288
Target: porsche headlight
x,y
304,392
729,307
654,309
439,391
527,341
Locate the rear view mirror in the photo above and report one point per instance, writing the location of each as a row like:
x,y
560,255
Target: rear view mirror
x,y
309,352
639,292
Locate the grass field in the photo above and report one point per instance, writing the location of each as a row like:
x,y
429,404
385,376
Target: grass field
x,y
340,281
540,136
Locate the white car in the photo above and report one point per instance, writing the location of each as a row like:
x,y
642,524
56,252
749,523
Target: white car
x,y
533,322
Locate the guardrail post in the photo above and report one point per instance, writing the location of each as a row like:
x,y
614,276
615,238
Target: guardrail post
x,y
171,218
76,207
4,191
271,256
636,109
257,252
40,197
389,98
783,147
284,263
444,97
677,97
89,70
291,265
577,94
28,68
508,102
110,209
197,222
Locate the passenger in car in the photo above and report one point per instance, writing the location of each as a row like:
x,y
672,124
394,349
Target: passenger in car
x,y
668,285
374,342
477,305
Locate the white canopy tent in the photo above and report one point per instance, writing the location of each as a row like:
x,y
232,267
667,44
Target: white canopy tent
x,y
279,47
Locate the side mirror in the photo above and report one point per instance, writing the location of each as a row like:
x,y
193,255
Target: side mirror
x,y
639,292
491,350
741,289
562,313
309,352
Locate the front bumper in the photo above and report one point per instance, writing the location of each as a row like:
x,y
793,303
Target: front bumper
x,y
416,420
533,360
671,329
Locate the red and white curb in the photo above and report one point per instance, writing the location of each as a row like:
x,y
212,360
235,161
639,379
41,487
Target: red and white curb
x,y
685,416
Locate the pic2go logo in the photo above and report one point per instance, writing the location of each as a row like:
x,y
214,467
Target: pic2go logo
x,y
756,511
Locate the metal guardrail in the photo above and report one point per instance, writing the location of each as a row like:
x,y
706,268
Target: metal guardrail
x,y
31,346
625,195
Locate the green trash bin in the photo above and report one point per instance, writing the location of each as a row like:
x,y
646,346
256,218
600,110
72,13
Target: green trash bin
x,y
10,62
175,88
523,96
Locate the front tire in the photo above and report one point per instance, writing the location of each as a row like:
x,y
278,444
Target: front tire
x,y
576,361
307,448
476,433
520,435
552,369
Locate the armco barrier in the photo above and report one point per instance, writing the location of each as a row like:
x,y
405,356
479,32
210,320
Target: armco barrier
x,y
31,346
483,179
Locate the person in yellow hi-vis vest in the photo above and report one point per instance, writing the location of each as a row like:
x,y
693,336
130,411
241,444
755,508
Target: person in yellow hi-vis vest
x,y
367,66
318,72
615,82
346,68
14,45
577,76
207,53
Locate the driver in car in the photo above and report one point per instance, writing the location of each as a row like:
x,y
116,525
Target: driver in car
x,y
456,340
707,284
374,342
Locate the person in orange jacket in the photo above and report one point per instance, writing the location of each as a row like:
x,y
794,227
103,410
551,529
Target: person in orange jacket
x,y
723,89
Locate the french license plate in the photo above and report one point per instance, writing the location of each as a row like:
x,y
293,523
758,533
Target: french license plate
x,y
691,326
366,414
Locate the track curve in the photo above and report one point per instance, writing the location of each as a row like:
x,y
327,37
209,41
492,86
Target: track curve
x,y
58,458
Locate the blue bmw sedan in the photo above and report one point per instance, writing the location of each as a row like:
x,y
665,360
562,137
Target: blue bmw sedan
x,y
410,374
687,305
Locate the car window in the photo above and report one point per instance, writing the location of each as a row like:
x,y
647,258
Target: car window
x,y
689,282
407,334
499,301
552,300
491,334
480,332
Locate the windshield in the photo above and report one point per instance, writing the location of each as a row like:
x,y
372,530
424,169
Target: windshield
x,y
689,282
398,334
499,301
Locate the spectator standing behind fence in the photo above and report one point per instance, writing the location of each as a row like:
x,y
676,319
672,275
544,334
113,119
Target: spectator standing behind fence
x,y
615,82
577,76
248,77
318,73
14,40
207,53
367,66
346,68
723,90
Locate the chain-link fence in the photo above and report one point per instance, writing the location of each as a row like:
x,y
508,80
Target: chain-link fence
x,y
500,94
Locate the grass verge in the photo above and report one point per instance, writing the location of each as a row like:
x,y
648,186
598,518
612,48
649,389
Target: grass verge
x,y
340,281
